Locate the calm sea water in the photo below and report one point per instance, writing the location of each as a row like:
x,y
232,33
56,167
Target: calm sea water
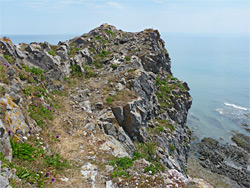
x,y
217,69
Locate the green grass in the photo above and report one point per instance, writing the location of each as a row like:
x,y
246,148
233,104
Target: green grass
x,y
56,161
97,37
122,164
73,50
89,72
109,100
40,114
3,74
8,58
167,124
164,88
148,152
25,151
76,71
31,164
171,147
113,66
127,58
154,168
35,71
104,53
52,53
97,65
131,70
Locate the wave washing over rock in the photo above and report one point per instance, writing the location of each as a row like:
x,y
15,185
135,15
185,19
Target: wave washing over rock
x,y
99,110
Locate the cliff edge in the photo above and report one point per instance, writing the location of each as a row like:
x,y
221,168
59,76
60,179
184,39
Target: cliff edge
x,y
100,110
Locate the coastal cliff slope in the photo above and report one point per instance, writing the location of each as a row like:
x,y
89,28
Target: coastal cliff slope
x,y
100,110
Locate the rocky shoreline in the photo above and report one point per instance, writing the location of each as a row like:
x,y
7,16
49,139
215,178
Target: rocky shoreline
x,y
229,162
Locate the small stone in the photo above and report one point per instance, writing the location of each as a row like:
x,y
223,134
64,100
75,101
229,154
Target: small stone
x,y
99,105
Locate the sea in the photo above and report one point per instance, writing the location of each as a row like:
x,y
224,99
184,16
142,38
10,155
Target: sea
x,y
217,70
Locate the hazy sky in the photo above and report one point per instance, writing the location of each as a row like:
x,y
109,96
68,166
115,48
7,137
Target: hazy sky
x,y
80,16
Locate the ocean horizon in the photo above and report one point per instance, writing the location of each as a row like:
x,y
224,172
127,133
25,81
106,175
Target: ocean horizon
x,y
216,68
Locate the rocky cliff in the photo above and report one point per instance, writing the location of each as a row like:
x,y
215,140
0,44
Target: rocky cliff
x,y
99,110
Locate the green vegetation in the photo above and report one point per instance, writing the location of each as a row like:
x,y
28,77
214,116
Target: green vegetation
x,y
25,151
33,166
171,149
76,71
89,72
113,66
148,151
97,65
3,74
51,53
110,32
131,70
109,100
73,50
104,53
164,88
97,37
24,74
160,128
104,41
2,92
8,58
167,124
121,164
39,113
127,58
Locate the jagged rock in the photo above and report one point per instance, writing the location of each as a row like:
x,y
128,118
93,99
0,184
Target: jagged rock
x,y
242,141
62,52
7,47
46,46
5,146
113,146
14,117
109,184
4,182
20,54
85,54
118,112
132,121
31,49
89,172
47,61
99,105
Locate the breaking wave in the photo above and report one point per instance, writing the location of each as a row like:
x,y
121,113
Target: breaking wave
x,y
236,106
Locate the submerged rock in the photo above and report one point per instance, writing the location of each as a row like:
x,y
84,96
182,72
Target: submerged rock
x,y
242,141
227,160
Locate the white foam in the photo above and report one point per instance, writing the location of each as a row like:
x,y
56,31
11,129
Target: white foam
x,y
219,110
236,106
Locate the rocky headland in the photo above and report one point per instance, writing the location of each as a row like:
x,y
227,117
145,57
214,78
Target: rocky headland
x,y
100,110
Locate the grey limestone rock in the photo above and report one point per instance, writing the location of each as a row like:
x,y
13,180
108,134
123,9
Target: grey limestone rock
x,y
5,146
4,182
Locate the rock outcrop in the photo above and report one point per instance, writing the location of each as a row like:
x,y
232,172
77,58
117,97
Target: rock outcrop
x,y
119,89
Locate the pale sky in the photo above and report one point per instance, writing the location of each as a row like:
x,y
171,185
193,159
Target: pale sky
x,y
80,16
